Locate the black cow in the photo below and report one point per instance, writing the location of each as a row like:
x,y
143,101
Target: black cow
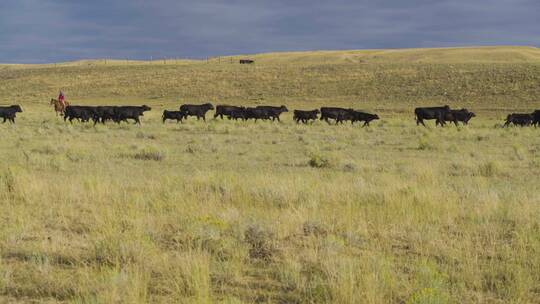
x,y
81,113
273,112
238,114
362,116
536,118
197,110
518,119
173,115
338,114
226,110
428,113
123,113
256,114
10,112
246,61
104,113
454,116
305,116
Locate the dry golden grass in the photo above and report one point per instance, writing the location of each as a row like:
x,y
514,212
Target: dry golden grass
x,y
235,212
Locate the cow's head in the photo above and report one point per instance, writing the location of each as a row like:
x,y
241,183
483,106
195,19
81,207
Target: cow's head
x,y
447,107
316,111
209,106
471,115
146,108
284,108
375,116
17,108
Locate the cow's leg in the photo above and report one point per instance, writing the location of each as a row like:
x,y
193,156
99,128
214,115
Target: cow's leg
x,y
365,124
420,121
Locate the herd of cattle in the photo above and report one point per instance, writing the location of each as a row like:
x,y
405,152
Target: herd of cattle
x,y
118,114
268,113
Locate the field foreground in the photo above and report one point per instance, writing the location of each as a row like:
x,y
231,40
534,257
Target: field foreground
x,y
244,212
234,212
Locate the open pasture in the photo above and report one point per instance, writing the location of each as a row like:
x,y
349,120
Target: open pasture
x,y
244,212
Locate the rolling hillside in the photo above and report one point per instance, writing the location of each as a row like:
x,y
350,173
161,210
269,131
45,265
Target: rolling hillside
x,y
234,212
490,77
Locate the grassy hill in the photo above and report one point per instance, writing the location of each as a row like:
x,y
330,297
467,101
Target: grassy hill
x,y
240,212
489,77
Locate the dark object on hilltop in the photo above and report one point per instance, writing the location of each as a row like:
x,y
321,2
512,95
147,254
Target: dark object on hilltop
x,y
246,61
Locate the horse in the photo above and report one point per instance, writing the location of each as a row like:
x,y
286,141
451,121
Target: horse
x,y
58,107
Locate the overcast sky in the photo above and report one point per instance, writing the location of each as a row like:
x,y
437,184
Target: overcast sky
x,y
61,30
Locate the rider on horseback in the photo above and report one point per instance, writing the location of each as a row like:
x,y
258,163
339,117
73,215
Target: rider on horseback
x,y
62,99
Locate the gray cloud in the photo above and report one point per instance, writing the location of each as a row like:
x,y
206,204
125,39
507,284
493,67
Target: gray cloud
x,y
60,30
